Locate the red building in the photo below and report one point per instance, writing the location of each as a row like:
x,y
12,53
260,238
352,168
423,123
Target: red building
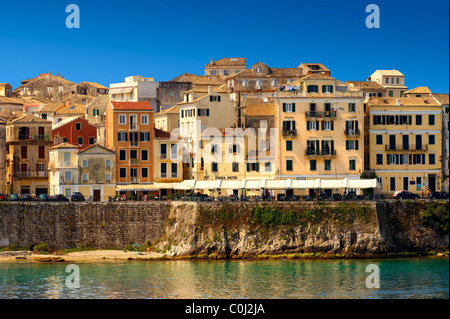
x,y
76,131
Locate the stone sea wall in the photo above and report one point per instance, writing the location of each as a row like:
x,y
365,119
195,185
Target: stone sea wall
x,y
232,229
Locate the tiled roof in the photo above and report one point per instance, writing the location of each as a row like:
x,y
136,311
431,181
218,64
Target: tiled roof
x,y
98,86
367,85
228,62
132,106
72,108
7,114
389,72
92,146
29,119
197,79
63,145
161,134
317,76
307,67
50,107
442,98
10,100
172,110
257,100
419,90
404,101
65,121
260,109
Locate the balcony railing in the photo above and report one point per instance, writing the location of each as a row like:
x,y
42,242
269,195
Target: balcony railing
x,y
134,161
174,175
134,143
290,94
330,114
349,94
351,132
320,153
289,133
163,156
23,174
134,127
134,180
34,137
162,175
406,148
62,165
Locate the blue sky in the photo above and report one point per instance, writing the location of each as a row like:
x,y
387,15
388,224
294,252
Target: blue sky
x,y
163,39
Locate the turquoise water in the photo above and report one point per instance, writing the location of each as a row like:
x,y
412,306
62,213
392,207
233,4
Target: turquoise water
x,y
399,278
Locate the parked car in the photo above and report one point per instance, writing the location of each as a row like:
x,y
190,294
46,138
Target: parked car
x,y
3,197
58,198
43,197
26,197
77,197
405,195
14,197
439,195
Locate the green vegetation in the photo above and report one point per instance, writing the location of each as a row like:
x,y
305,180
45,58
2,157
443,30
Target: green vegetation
x,y
436,216
41,248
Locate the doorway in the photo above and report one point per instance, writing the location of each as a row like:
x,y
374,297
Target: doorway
x,y
432,183
97,195
405,183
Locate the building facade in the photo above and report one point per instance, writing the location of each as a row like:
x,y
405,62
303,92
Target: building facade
x,y
392,80
76,131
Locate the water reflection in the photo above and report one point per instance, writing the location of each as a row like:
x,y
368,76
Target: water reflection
x,y
400,278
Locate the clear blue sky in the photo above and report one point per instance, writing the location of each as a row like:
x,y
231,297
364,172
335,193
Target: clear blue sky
x,y
163,39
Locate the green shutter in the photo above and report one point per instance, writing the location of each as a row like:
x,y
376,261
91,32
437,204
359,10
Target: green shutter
x,y
332,146
323,88
307,125
257,167
284,107
356,144
323,125
347,145
293,107
331,88
332,125
248,167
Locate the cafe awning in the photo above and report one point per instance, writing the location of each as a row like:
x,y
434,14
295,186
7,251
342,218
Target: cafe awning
x,y
185,185
305,184
254,183
166,185
137,187
362,183
276,184
230,184
332,183
207,184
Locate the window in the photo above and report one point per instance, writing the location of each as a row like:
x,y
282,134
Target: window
x,y
326,125
274,82
288,145
80,140
122,119
85,163
122,155
91,140
163,170
144,172
174,167
391,93
225,72
387,80
122,172
174,151
258,69
289,165
108,177
397,80
258,83
352,164
351,145
327,89
122,136
41,152
44,116
431,120
85,178
144,119
268,167
144,136
311,125
78,126
144,155
312,165
212,98
213,167
379,139
328,165
213,149
405,119
23,151
49,88
313,89
244,82
431,139
213,72
68,176
379,159
418,119
235,167
133,154
289,107
352,107
379,119
432,159
108,164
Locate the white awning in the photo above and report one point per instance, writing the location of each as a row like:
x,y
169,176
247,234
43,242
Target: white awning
x,y
305,184
332,183
206,184
166,185
254,184
137,187
121,90
362,183
230,184
276,184
185,185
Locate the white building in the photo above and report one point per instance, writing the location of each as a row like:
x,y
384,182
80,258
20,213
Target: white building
x,y
135,89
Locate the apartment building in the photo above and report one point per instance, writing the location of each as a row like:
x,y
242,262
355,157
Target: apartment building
x,y
405,146
168,120
28,140
46,86
369,88
76,131
320,132
90,171
443,100
392,80
130,134
225,67
2,155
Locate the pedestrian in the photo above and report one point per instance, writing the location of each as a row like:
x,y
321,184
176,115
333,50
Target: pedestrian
x,y
428,193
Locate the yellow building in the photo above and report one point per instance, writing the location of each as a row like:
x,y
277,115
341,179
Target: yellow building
x,y
28,139
5,89
421,91
392,80
167,120
90,171
320,125
405,143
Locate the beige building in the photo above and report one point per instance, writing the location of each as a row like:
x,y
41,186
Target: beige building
x,y
168,120
225,67
405,145
27,143
90,171
5,90
392,80
443,100
2,156
45,85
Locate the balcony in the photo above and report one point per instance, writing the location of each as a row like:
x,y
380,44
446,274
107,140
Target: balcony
x,y
31,174
62,165
290,94
134,161
352,132
134,143
289,133
134,180
320,153
134,127
163,156
407,148
349,94
326,114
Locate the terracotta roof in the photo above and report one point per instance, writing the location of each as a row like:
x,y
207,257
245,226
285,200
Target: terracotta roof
x,y
442,98
404,101
418,90
49,75
63,145
228,62
72,108
389,72
50,107
317,76
132,105
367,85
95,145
10,100
8,115
160,134
257,100
98,86
172,110
307,67
260,109
197,79
29,119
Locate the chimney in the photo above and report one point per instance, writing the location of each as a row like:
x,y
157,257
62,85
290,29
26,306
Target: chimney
x,y
211,61
57,74
67,103
209,89
161,108
398,102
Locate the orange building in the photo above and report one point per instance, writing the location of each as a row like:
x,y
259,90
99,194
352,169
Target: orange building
x,y
130,133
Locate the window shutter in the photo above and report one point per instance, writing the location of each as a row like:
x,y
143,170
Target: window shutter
x,y
423,159
401,160
347,145
331,88
218,98
397,159
293,125
284,107
323,88
248,167
332,125
332,146
409,119
323,125
257,167
317,125
396,120
198,112
317,146
141,136
210,98
356,145
387,159
293,107
207,112
356,125
307,125
323,145
374,123
384,119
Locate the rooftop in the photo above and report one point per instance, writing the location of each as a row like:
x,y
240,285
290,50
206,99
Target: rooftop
x,y
63,145
367,85
442,98
419,90
30,119
404,101
139,106
228,62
